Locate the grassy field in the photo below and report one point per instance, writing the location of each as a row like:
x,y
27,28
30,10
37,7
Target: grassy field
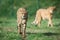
x,y
8,30
8,26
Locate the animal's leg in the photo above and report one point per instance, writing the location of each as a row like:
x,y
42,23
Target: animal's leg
x,y
19,29
33,22
24,30
39,22
50,23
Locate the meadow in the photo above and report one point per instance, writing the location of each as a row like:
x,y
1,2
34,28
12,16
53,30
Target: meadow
x,y
8,30
8,24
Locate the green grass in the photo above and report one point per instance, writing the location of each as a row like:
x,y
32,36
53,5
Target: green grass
x,y
8,30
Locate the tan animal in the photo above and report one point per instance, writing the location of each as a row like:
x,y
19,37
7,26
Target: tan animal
x,y
44,14
22,20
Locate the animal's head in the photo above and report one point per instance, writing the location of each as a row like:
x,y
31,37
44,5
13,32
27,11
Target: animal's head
x,y
51,8
22,11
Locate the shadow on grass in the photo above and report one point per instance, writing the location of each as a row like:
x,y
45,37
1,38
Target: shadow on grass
x,y
4,22
50,34
1,22
46,34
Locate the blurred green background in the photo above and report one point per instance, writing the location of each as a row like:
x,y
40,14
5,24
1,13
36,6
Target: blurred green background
x,y
8,24
8,8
